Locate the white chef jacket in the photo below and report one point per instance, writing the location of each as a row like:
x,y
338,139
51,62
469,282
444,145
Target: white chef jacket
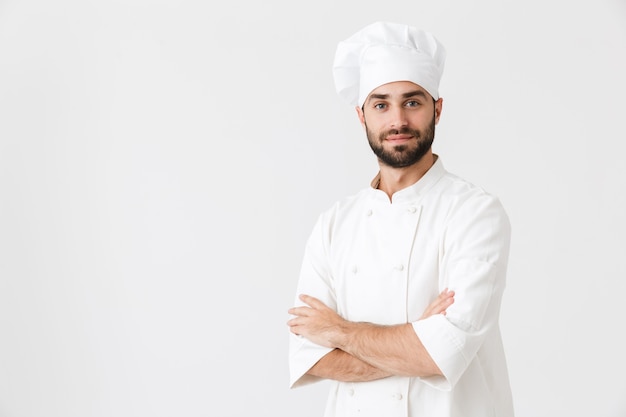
x,y
383,262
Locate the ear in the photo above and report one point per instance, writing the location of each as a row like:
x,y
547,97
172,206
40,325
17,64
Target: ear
x,y
438,108
359,112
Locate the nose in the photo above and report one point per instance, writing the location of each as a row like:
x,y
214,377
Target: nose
x,y
398,118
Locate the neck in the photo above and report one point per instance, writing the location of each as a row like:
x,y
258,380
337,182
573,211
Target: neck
x,y
396,179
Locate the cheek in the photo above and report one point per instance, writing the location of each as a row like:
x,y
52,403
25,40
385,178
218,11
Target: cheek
x,y
375,124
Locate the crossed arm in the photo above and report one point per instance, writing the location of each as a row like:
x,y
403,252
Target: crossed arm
x,y
364,351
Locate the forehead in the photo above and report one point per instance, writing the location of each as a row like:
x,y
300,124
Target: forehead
x,y
398,89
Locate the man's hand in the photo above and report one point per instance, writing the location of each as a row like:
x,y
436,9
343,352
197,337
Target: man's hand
x,y
440,304
316,322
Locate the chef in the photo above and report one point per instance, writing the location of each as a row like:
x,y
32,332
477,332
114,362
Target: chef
x,y
400,288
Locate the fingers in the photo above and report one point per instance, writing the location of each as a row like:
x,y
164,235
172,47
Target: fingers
x,y
311,301
303,311
293,328
299,311
293,322
311,318
439,305
446,293
443,305
443,301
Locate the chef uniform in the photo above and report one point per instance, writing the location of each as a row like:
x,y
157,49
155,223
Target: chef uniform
x,y
383,261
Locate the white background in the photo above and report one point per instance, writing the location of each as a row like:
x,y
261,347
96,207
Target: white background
x,y
162,163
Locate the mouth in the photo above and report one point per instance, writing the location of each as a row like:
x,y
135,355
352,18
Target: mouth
x,y
398,139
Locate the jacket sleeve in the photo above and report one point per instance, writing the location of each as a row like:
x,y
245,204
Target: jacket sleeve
x,y
473,260
315,279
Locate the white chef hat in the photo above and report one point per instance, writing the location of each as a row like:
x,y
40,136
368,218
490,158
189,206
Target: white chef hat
x,y
385,52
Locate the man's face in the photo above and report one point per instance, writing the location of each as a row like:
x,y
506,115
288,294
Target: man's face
x,y
400,119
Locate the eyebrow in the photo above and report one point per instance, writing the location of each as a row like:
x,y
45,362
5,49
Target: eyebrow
x,y
418,93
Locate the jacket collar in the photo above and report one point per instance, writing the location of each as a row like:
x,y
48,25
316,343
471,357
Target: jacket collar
x,y
412,192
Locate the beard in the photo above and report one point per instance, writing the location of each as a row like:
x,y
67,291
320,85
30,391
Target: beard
x,y
404,155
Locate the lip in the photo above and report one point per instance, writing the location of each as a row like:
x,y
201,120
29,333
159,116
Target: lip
x,y
398,138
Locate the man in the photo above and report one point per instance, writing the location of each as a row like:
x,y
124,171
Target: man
x,y
373,311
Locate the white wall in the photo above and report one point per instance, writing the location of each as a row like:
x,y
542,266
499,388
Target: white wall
x,y
162,163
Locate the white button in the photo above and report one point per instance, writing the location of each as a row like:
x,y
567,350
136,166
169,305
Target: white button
x,y
369,212
412,210
355,269
397,396
351,392
399,267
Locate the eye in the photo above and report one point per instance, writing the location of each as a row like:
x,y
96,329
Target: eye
x,y
380,106
412,103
